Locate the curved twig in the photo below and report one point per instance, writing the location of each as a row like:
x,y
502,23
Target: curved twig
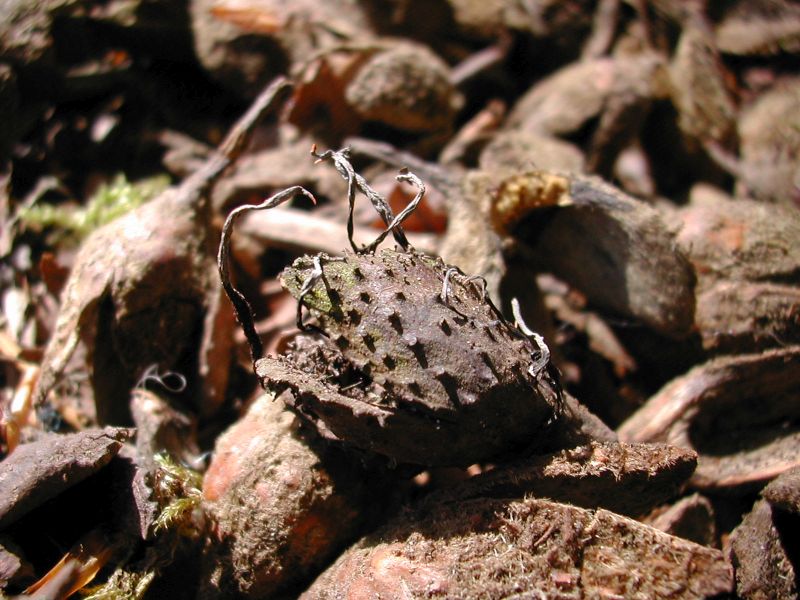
x,y
244,314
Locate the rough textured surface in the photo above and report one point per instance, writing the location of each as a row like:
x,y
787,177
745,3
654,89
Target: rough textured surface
x,y
706,108
784,491
770,145
746,257
41,470
520,150
759,28
406,87
759,549
529,548
406,374
739,413
628,479
281,508
613,248
690,518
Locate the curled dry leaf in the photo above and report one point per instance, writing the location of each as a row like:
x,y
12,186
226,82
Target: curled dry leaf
x,y
760,551
142,286
487,548
281,506
628,479
41,470
739,413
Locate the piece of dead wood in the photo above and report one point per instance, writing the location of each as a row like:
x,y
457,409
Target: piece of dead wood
x,y
142,286
161,427
690,518
14,569
746,255
41,470
281,507
763,27
628,479
769,129
739,413
761,554
784,491
618,251
486,548
698,86
616,91
302,232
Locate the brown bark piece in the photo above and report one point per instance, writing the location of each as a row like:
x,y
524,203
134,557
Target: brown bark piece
x,y
518,150
770,146
141,284
706,111
628,479
784,491
741,240
690,518
530,548
41,470
738,413
764,569
406,86
746,256
759,27
13,567
616,91
280,508
615,249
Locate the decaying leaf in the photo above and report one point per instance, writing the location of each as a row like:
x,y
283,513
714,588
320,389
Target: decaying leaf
x,y
525,548
76,569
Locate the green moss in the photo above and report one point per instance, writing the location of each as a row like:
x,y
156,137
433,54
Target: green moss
x,y
108,203
339,275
